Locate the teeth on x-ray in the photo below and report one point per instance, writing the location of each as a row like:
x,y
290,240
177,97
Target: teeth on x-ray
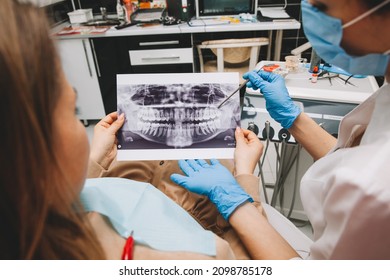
x,y
184,114
181,114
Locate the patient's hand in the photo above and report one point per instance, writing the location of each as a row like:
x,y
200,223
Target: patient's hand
x,y
103,148
248,152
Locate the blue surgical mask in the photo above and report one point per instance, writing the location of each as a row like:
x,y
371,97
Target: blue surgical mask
x,y
325,33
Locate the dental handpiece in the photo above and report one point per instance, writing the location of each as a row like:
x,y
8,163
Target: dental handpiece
x,y
267,129
233,93
238,89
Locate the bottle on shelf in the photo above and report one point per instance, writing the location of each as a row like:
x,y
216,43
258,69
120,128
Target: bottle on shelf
x,y
159,4
120,11
314,75
144,4
129,9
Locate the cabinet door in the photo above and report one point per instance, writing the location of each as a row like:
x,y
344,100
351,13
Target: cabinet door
x,y
79,67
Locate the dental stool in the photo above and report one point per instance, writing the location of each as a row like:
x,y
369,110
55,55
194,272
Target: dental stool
x,y
232,55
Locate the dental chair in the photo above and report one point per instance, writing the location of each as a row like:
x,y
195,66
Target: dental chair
x,y
232,55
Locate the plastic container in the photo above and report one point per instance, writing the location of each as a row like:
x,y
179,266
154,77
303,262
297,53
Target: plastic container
x,y
144,4
292,63
129,9
120,10
314,75
80,16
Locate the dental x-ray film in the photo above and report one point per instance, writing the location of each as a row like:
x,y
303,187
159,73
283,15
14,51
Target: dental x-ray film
x,y
175,116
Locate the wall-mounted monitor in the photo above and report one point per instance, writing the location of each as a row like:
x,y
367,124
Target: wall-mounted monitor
x,y
215,8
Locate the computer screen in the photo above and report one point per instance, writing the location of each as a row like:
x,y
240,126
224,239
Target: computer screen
x,y
213,8
272,3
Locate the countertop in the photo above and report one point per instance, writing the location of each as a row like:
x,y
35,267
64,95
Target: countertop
x,y
300,87
181,28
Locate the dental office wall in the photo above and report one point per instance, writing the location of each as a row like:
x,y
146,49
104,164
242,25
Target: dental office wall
x,y
57,10
95,5
292,38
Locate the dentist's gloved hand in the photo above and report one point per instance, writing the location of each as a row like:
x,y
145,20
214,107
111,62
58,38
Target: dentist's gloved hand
x,y
278,102
214,181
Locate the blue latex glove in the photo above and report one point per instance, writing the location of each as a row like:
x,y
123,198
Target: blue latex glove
x,y
214,181
277,100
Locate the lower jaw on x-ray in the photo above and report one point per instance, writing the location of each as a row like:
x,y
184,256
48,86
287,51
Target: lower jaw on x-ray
x,y
179,115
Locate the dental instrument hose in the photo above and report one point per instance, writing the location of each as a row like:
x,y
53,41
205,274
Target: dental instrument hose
x,y
295,182
279,174
291,161
261,162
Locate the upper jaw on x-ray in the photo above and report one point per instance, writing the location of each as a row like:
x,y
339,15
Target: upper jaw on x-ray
x,y
177,115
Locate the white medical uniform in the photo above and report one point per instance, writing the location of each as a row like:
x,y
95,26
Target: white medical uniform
x,y
346,194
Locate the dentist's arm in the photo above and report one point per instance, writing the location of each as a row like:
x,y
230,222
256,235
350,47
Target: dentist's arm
x,y
282,109
261,240
316,140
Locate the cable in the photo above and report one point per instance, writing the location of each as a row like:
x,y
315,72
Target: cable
x,y
261,174
279,175
285,171
265,152
267,130
284,163
287,160
295,182
346,81
285,4
276,145
274,194
261,162
301,223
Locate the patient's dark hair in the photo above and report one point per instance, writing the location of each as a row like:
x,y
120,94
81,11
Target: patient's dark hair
x,y
37,220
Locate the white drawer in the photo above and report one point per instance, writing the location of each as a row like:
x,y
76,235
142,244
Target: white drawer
x,y
162,56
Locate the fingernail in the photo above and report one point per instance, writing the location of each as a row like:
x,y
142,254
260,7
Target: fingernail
x,y
121,116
